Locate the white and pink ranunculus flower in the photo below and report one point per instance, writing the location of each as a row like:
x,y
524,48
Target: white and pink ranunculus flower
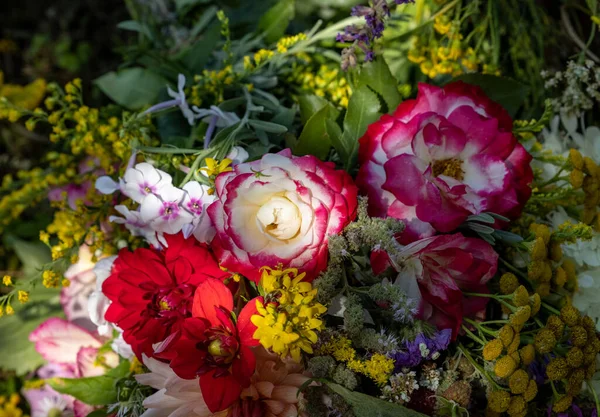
x,y
438,271
280,210
448,154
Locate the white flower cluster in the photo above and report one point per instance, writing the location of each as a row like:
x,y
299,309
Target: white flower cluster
x,y
568,132
402,385
163,208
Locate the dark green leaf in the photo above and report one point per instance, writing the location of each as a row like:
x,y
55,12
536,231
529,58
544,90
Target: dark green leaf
x,y
208,15
274,23
480,228
174,129
33,255
335,135
507,92
132,88
507,237
136,26
197,55
314,139
366,405
363,109
481,217
377,75
285,116
188,4
17,353
98,413
97,390
309,105
499,217
121,370
267,126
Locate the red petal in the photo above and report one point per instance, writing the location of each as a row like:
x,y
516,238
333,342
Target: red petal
x,y
243,367
219,393
245,327
210,294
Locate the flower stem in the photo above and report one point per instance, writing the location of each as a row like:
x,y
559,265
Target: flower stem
x,y
473,336
477,366
550,309
481,328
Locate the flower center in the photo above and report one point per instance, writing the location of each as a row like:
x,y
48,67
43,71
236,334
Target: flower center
x,y
448,167
222,347
170,210
280,218
216,348
173,302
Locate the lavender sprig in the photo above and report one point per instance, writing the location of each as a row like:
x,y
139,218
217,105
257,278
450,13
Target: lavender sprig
x,y
364,37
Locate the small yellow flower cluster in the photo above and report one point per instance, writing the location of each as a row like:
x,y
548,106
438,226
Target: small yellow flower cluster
x,y
27,190
211,85
284,44
379,367
9,407
328,82
579,362
445,52
49,279
17,100
288,316
7,280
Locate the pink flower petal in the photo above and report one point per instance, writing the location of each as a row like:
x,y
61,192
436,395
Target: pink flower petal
x,y
57,340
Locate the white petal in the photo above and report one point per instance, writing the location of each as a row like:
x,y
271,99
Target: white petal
x,y
106,185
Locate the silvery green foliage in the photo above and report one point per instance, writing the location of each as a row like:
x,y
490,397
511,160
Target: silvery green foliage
x,y
578,87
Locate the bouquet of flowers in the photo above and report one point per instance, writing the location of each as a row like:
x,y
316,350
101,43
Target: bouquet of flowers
x,y
277,216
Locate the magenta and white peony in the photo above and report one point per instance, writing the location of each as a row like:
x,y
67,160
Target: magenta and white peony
x,y
448,154
280,210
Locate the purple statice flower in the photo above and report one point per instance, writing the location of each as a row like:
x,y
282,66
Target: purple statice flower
x,y
422,348
575,411
363,37
537,370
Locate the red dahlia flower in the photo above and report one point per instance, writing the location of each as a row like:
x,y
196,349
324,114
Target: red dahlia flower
x,y
152,292
439,158
214,346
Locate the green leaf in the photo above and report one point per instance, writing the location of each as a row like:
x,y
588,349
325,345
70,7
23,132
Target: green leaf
x,y
132,88
136,26
363,109
274,23
507,92
197,55
309,105
267,126
97,390
188,4
507,237
366,405
314,139
98,413
208,15
33,255
120,371
377,75
17,353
